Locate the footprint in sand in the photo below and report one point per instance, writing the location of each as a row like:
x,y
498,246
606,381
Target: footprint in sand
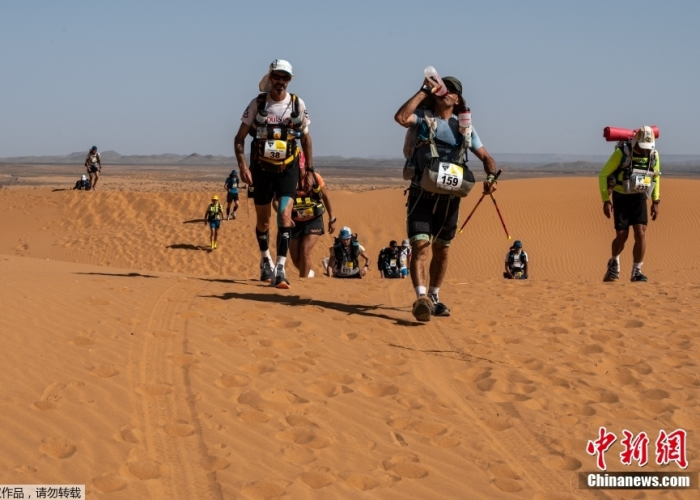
x,y
325,389
154,389
211,463
284,324
304,437
280,344
183,360
634,323
179,429
258,368
561,462
128,434
231,340
143,470
445,442
163,334
104,371
656,394
264,490
43,405
498,423
299,421
109,483
298,456
362,482
408,470
56,447
507,485
228,381
25,469
502,471
316,480
340,378
352,336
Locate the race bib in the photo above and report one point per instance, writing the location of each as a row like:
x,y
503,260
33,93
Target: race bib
x,y
304,213
348,268
392,263
449,176
275,150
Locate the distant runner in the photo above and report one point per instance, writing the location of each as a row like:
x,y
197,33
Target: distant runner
x,y
405,259
93,164
83,184
231,186
516,262
388,261
278,122
310,204
345,256
633,173
438,157
213,217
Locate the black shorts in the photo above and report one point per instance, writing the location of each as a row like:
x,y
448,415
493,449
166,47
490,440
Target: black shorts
x,y
629,210
270,184
93,169
424,217
352,276
313,226
231,197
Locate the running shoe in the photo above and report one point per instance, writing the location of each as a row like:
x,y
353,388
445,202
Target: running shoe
x,y
422,308
233,215
638,276
281,280
613,272
439,309
215,244
266,271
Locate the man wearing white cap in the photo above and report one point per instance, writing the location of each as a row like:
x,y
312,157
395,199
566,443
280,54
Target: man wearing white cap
x,y
278,123
632,173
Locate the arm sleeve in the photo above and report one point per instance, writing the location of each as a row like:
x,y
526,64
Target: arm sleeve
x,y
418,117
609,167
656,193
476,142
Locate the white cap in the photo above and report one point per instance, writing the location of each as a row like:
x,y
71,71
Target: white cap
x,y
406,243
644,138
276,65
83,177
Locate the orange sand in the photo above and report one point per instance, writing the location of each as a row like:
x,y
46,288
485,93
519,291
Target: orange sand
x,y
147,368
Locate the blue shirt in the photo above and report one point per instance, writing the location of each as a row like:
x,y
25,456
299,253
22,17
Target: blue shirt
x,y
447,131
232,187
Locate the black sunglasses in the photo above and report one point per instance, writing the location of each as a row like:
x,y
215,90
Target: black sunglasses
x,y
277,76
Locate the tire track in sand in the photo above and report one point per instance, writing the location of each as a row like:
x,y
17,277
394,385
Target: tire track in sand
x,y
163,399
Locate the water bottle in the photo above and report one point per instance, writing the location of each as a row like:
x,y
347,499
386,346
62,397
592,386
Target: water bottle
x,y
465,118
433,76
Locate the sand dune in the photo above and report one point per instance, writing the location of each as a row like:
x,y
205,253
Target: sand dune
x,y
145,367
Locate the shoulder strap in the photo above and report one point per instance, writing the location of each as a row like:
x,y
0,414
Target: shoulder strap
x,y
432,128
295,116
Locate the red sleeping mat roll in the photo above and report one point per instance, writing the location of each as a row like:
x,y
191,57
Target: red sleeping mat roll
x,y
614,134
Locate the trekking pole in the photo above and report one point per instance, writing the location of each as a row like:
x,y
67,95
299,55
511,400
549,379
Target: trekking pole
x,y
480,199
500,216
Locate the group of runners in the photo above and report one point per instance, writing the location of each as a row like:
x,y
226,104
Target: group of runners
x,y
280,175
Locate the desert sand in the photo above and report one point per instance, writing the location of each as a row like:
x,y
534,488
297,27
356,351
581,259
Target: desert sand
x,y
139,363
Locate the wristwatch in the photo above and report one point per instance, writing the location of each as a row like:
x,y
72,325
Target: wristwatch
x,y
333,220
425,89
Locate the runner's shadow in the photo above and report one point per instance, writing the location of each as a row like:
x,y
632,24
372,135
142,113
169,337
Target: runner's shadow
x,y
193,221
124,275
229,281
61,189
295,300
188,246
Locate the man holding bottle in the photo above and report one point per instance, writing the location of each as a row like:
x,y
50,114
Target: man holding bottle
x,y
432,216
278,123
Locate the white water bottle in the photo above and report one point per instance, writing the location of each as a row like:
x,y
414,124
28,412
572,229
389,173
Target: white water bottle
x,y
465,118
433,76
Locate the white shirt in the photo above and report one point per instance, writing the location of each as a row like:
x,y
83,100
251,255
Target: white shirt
x,y
518,263
278,112
405,252
92,159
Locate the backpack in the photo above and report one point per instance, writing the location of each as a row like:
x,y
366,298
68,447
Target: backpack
x,y
633,180
274,146
438,177
310,206
354,251
511,258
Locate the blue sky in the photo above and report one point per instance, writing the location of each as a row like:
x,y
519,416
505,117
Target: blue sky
x,y
147,77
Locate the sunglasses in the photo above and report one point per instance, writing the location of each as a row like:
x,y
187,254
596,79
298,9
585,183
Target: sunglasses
x,y
284,77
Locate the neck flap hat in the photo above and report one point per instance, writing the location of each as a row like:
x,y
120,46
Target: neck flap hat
x,y
277,65
644,138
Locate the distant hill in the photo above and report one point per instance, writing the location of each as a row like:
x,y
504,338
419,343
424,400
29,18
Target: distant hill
x,y
541,161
